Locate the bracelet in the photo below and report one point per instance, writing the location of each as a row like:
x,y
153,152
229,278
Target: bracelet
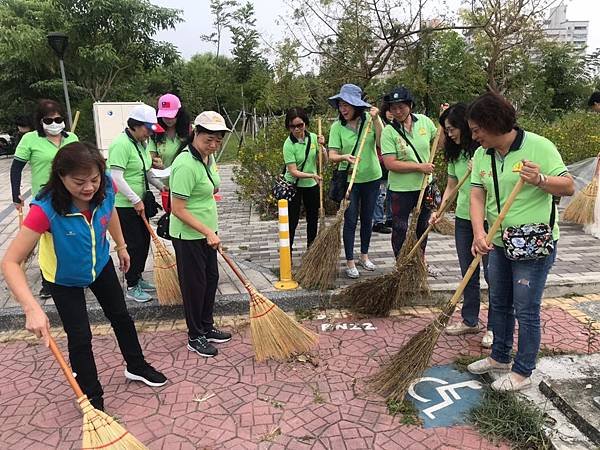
x,y
120,247
542,180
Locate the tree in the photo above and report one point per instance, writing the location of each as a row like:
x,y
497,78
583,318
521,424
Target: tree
x,y
503,29
222,11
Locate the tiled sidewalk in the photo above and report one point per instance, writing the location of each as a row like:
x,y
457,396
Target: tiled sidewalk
x,y
230,401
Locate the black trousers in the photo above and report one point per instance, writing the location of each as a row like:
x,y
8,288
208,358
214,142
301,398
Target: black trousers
x,y
71,306
137,239
198,279
310,197
402,205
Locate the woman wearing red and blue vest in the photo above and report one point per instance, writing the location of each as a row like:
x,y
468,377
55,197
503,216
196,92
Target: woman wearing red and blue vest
x,y
70,218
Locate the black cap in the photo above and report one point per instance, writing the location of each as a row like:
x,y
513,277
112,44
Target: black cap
x,y
399,95
594,98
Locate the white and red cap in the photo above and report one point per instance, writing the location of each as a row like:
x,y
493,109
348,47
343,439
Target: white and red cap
x,y
211,120
146,114
168,105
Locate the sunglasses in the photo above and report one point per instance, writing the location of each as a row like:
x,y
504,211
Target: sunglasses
x,y
297,126
49,120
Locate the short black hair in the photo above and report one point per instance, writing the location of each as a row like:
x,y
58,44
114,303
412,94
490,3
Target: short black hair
x,y
133,123
493,113
44,108
594,98
296,112
24,121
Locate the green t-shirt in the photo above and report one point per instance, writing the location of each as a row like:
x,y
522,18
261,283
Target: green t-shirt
x,y
342,139
124,154
422,133
532,205
293,153
190,181
166,150
457,169
39,152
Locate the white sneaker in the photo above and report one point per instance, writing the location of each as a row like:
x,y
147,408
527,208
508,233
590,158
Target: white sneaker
x,y
486,365
456,329
488,339
367,265
509,383
352,272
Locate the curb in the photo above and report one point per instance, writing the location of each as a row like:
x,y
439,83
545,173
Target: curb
x,y
238,304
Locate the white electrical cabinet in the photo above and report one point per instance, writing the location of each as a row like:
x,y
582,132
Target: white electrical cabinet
x,y
110,119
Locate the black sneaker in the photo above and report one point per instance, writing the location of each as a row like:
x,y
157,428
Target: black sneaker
x,y
201,346
146,374
381,228
217,336
44,292
388,223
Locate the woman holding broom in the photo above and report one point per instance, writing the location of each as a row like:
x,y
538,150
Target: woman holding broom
x,y
522,253
300,157
459,148
70,218
405,148
193,227
344,139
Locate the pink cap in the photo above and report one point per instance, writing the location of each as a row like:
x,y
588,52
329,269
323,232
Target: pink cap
x,y
168,105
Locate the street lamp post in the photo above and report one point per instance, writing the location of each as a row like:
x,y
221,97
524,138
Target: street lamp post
x,y
59,42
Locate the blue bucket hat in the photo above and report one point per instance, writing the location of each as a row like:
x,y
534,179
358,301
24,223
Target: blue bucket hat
x,y
351,94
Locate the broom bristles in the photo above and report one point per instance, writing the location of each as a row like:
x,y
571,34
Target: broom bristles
x,y
444,227
374,296
165,276
101,431
412,271
581,208
276,335
320,261
409,363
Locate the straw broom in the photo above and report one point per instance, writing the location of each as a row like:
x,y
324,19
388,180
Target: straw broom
x,y
100,431
444,227
320,262
275,335
165,271
376,296
320,152
581,208
394,379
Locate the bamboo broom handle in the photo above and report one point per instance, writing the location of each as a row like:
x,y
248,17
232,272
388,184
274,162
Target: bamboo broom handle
x,y
360,149
442,210
74,125
236,270
151,231
463,284
320,152
432,153
65,368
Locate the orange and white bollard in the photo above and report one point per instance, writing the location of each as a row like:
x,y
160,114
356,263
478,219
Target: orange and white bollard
x,y
285,253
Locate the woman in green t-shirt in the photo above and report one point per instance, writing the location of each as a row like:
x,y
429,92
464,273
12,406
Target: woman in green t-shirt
x,y
173,118
193,228
300,155
509,154
459,148
345,136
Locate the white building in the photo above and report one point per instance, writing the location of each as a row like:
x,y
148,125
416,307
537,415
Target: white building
x,y
558,28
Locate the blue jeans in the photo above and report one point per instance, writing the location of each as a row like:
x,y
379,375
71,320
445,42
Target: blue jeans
x,y
362,200
383,207
516,289
463,236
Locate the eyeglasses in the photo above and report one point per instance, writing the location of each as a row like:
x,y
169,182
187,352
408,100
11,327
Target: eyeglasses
x,y
49,120
297,126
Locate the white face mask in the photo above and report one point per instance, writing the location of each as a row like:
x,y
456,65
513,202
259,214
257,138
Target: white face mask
x,y
54,128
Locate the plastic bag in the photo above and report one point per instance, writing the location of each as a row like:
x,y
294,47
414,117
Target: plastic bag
x,y
582,173
594,228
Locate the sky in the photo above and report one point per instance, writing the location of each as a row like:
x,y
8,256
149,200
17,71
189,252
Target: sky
x,y
271,24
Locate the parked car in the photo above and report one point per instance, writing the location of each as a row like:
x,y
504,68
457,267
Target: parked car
x,y
6,144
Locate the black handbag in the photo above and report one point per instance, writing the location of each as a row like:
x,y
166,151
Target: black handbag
x,y
151,207
339,179
525,242
432,197
162,226
283,189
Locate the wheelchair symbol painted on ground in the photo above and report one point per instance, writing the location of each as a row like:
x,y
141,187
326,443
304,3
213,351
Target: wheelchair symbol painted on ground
x,y
444,396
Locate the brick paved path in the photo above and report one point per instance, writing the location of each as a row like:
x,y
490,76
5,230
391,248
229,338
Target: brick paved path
x,y
233,402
